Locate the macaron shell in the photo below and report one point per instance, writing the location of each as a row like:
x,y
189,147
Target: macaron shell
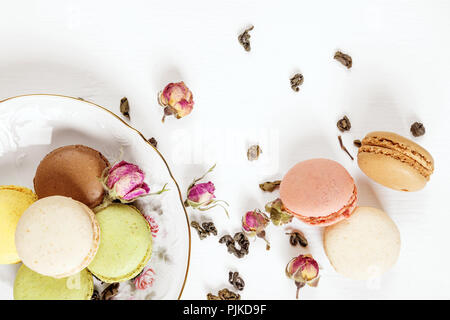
x,y
57,236
30,285
316,188
399,143
72,171
391,172
14,200
364,246
395,161
126,244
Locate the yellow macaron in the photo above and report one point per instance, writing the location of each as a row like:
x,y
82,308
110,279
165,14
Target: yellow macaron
x,y
14,200
395,161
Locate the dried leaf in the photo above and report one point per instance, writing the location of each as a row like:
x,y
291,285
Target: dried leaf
x,y
296,81
357,143
344,124
244,38
253,152
110,291
343,58
270,186
417,129
125,107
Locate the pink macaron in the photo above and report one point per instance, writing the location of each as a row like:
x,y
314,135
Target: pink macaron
x,y
318,192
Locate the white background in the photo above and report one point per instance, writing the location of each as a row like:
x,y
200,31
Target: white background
x,y
104,50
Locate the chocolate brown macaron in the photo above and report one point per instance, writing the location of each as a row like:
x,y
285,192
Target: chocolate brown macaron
x,y
72,171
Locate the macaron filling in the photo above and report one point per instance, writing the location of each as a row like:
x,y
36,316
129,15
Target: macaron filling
x,y
345,212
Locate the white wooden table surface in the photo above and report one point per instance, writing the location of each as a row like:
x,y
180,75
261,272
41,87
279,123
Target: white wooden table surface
x,y
104,50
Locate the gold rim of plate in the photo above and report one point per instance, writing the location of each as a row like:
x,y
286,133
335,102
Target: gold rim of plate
x,y
149,144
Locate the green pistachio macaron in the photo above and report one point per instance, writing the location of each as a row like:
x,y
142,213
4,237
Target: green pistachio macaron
x,y
30,285
125,244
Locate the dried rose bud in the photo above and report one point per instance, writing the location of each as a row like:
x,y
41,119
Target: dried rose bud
x,y
201,196
176,98
303,270
124,181
278,213
254,222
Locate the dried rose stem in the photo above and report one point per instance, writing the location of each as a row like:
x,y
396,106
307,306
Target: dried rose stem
x,y
344,148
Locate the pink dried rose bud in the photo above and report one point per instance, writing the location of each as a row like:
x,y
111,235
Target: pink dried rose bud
x,y
254,223
177,99
124,181
201,196
145,279
303,270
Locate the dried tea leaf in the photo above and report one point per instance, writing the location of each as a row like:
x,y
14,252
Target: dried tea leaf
x,y
125,107
153,142
344,124
239,238
210,228
110,291
244,38
297,237
253,152
236,281
343,147
296,81
417,129
226,294
343,58
270,186
357,143
205,230
95,295
210,296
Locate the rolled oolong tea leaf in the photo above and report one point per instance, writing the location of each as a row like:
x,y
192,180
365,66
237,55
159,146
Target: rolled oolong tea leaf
x,y
254,152
357,143
210,296
210,228
201,232
296,82
417,129
95,295
344,148
244,38
344,124
110,291
297,237
224,294
241,239
125,107
270,186
343,58
153,142
236,281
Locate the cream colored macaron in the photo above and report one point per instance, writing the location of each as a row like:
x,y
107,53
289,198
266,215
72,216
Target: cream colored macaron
x,y
363,246
57,236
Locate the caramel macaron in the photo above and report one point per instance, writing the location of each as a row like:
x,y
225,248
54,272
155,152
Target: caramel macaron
x,y
72,171
395,161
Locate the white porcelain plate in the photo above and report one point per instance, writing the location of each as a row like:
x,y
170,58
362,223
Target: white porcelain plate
x,y
31,126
